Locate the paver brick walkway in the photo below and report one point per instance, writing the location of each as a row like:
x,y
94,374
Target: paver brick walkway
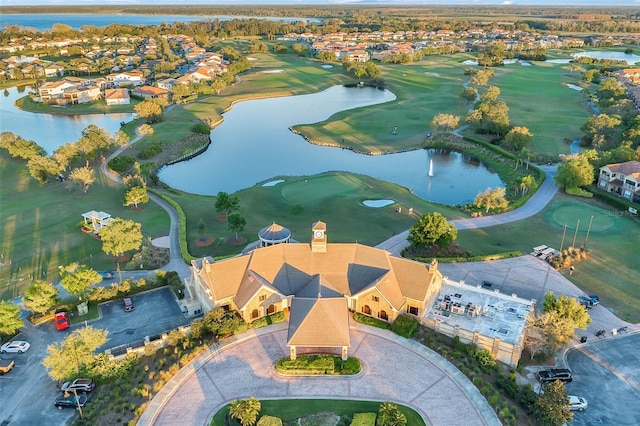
x,y
394,369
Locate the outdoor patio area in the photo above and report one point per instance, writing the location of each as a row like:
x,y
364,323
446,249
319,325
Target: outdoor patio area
x,y
480,310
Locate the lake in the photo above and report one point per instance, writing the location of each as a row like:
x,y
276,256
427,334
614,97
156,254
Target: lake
x,y
42,22
630,58
254,145
47,130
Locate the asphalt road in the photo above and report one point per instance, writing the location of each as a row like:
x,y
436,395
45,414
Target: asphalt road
x,y
27,392
607,374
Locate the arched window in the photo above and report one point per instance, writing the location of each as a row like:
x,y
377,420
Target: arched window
x,y
383,315
366,310
271,309
254,314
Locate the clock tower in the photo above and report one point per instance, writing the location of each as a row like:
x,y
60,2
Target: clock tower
x,y
319,237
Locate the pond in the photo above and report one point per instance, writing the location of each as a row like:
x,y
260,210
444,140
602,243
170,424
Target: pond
x,y
254,145
630,58
48,130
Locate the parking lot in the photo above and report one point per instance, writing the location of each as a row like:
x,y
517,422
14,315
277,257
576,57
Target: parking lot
x,y
606,374
154,313
28,392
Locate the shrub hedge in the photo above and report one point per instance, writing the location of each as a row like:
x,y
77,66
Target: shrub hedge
x,y
121,164
375,322
364,419
268,320
150,151
494,256
612,200
405,326
316,364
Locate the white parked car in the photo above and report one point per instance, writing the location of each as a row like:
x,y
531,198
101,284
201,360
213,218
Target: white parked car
x,y
18,346
577,403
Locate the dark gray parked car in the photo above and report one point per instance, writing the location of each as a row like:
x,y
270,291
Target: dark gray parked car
x,y
69,401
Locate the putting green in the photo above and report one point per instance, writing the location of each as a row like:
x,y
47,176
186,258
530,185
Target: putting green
x,y
315,190
569,214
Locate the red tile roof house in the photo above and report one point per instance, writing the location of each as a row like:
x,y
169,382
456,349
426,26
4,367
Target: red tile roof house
x,y
150,92
117,96
622,179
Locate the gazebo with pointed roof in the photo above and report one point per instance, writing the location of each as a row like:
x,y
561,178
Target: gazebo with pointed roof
x,y
274,234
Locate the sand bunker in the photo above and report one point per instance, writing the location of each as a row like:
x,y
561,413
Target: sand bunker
x,y
273,71
377,203
273,182
326,66
574,87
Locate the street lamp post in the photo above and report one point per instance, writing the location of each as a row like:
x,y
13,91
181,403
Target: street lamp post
x,y
75,392
575,235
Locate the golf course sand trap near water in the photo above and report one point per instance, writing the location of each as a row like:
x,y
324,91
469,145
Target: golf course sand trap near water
x,y
377,203
273,182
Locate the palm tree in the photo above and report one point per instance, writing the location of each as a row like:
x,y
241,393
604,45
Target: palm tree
x,y
246,411
526,184
390,415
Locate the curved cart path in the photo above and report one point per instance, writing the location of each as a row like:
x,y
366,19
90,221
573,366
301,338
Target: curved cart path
x,y
534,205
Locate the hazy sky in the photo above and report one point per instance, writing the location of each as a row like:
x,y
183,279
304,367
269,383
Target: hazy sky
x,y
346,2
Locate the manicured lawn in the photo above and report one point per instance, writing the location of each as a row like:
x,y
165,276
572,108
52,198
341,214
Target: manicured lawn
x,y
539,99
613,272
40,225
334,198
301,75
423,89
291,409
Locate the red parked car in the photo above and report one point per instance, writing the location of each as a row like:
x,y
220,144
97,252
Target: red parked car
x,y
62,321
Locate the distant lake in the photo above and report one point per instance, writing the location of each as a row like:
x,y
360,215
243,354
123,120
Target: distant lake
x,y
42,22
630,58
254,144
47,130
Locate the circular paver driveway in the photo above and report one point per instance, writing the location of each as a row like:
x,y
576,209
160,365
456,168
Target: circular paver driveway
x,y
395,369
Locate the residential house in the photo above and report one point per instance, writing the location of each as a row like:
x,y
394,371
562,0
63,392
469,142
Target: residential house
x,y
318,283
80,95
117,96
354,55
150,92
49,91
630,75
167,84
53,70
130,78
622,179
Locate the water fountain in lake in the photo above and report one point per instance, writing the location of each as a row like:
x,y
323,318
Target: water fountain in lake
x,y
431,168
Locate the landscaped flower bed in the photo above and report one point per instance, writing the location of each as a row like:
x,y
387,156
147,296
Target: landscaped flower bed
x,y
318,364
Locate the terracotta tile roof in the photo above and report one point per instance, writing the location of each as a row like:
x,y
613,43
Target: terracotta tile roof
x,y
626,168
224,278
151,90
116,94
294,270
319,322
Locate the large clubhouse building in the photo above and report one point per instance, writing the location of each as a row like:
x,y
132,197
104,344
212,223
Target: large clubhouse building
x,y
320,283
